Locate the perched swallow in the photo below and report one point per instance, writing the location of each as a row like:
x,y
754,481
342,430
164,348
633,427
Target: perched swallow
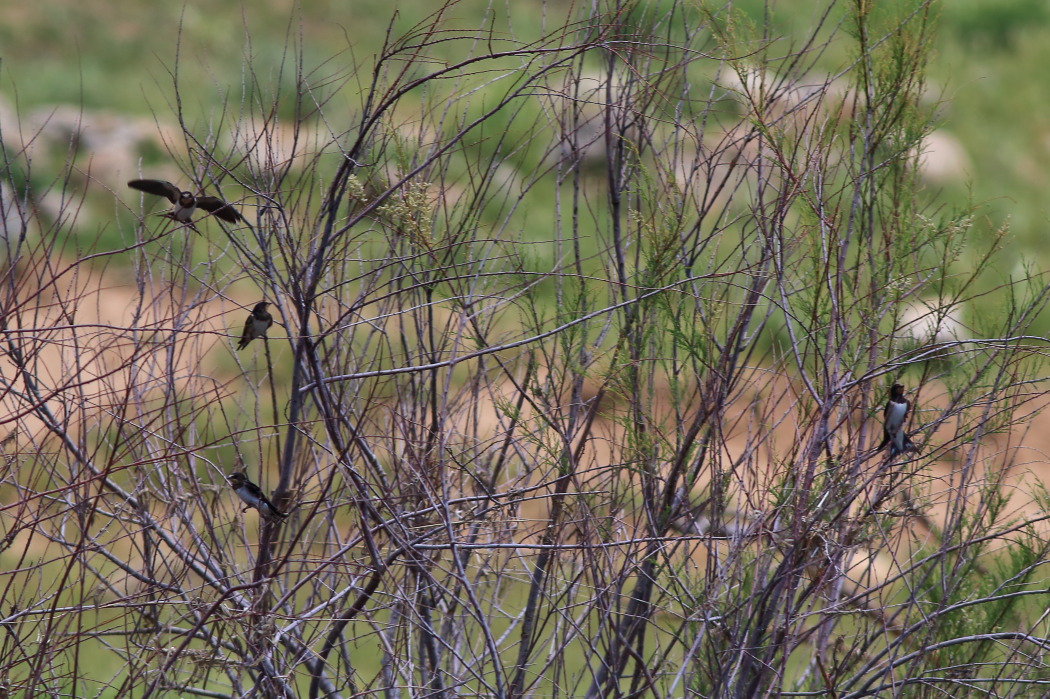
x,y
894,417
252,496
185,203
257,324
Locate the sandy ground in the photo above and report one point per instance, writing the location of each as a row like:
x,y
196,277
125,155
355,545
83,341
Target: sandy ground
x,y
87,337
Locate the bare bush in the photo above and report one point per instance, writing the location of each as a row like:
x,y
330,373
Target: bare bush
x,y
574,390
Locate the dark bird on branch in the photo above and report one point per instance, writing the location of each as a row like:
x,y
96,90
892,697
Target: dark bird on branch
x,y
894,417
252,496
259,321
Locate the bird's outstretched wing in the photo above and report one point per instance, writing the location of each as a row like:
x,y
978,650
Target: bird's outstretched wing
x,y
220,208
158,187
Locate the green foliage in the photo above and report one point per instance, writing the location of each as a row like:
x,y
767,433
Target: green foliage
x,y
993,27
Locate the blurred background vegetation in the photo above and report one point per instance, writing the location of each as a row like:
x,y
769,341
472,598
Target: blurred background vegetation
x,y
991,151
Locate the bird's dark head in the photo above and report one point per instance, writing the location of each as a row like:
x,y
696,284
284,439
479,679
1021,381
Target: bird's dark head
x,y
260,307
236,479
897,391
186,198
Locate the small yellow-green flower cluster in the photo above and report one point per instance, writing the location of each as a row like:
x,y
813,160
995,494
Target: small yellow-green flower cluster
x,y
410,210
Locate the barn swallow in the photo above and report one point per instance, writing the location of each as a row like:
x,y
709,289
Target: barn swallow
x,y
252,496
185,203
894,417
257,324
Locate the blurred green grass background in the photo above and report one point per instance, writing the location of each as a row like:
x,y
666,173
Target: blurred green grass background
x,y
985,71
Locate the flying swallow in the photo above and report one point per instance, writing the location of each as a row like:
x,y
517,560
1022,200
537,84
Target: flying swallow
x,y
894,417
257,324
252,496
185,203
